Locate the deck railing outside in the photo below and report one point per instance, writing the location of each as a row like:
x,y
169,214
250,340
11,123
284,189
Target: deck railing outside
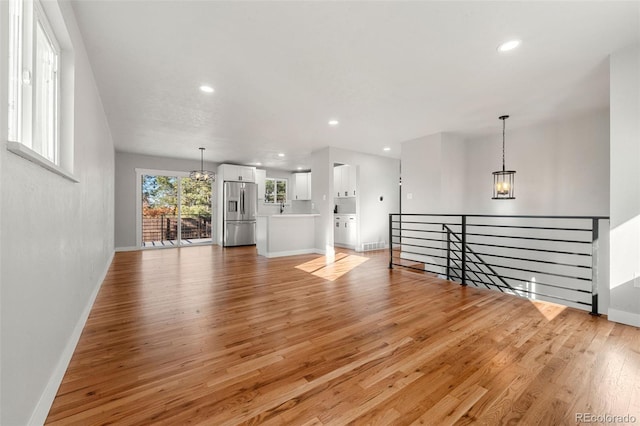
x,y
165,227
540,257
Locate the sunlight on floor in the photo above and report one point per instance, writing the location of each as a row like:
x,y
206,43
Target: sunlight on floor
x,y
333,267
548,309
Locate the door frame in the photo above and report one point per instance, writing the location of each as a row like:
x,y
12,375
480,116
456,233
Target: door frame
x,y
153,172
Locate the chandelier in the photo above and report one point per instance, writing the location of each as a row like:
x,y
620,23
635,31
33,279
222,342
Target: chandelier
x,y
202,175
503,180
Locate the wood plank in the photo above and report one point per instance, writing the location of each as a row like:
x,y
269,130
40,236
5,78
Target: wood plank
x,y
207,335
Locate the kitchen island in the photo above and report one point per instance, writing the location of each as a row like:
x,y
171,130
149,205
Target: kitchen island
x,y
286,234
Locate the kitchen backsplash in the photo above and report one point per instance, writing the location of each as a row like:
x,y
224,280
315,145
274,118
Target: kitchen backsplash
x,y
345,205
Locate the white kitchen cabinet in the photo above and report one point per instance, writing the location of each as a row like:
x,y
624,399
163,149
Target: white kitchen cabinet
x,y
261,176
233,172
350,185
345,230
344,181
338,231
302,186
337,181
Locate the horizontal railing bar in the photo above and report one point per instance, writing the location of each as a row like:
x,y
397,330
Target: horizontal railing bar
x,y
526,238
528,270
531,227
417,269
501,216
533,249
540,283
523,248
421,254
545,295
417,238
427,223
419,230
548,262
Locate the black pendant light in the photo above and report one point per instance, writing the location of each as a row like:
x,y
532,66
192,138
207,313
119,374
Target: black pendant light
x,y
202,175
503,180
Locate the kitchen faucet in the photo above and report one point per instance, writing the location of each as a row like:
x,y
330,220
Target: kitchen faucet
x,y
281,207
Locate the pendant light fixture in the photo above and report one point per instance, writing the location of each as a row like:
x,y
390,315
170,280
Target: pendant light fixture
x,y
202,175
503,180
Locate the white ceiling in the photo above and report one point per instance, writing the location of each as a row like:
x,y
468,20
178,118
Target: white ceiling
x,y
388,71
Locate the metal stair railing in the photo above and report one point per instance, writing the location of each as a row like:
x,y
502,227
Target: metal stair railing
x,y
540,257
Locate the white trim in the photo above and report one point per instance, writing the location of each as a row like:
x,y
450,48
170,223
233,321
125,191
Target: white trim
x,y
293,252
138,186
40,412
138,201
29,154
119,249
624,317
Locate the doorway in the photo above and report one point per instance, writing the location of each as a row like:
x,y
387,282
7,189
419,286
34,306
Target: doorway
x,y
173,210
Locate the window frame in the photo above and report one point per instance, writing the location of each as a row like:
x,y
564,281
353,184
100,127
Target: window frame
x,y
54,152
276,180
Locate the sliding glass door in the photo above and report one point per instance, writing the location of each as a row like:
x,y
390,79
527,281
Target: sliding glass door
x,y
175,210
195,211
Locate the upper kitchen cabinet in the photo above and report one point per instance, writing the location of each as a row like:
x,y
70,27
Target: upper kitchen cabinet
x,y
344,181
261,176
302,186
232,172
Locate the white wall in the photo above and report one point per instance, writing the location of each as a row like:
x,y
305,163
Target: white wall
x,y
562,168
625,186
126,184
321,190
433,174
57,243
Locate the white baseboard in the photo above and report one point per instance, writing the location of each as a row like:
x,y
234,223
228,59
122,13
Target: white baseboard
x,y
133,248
292,253
624,317
39,414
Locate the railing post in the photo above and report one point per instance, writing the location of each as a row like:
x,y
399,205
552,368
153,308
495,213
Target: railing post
x,y
448,252
594,266
390,241
464,250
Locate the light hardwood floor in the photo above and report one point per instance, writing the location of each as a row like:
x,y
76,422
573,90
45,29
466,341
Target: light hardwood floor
x,y
204,335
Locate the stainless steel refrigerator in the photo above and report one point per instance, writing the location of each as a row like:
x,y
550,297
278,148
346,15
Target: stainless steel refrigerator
x,y
240,209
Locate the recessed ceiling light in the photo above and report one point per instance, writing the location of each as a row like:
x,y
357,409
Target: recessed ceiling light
x,y
281,155
508,45
386,148
299,168
258,164
333,122
206,89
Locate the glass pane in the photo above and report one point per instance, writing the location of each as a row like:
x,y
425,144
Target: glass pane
x,y
195,207
159,210
269,192
45,108
281,186
15,66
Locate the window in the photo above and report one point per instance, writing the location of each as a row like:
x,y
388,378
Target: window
x,y
275,190
35,99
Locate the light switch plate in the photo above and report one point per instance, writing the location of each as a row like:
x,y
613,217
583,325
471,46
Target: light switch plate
x,y
410,196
